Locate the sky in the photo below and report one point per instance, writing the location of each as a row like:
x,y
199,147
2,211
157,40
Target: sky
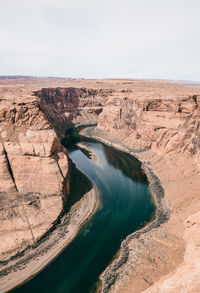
x,y
155,39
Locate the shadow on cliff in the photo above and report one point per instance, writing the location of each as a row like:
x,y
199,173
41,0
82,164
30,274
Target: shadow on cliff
x,y
64,106
79,185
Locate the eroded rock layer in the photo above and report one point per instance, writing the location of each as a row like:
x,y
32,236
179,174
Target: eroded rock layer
x,y
163,124
68,107
34,177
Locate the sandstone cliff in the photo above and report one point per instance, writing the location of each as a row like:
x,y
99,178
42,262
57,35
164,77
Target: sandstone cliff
x,y
68,107
163,124
163,130
34,178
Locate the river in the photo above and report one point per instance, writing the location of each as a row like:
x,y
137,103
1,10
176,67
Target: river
x,y
126,205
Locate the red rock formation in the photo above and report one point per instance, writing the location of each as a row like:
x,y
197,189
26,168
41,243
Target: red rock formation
x,y
67,107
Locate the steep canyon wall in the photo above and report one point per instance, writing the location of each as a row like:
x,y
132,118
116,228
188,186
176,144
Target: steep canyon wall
x,y
69,107
163,131
153,123
34,177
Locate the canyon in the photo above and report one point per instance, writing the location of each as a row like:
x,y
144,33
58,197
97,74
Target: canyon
x,y
158,122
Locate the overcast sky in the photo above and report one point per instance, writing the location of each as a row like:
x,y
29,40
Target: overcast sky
x,y
101,38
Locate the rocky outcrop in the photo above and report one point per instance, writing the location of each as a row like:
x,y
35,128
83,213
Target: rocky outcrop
x,y
37,162
34,177
35,159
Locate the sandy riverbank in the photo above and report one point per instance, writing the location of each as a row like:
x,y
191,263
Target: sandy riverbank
x,y
158,254
25,267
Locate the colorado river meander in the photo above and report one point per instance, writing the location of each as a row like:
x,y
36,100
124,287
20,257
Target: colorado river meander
x,y
125,206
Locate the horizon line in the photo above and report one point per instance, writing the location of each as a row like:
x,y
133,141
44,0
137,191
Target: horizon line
x,y
18,76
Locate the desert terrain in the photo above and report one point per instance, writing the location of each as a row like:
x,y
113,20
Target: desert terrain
x,y
156,121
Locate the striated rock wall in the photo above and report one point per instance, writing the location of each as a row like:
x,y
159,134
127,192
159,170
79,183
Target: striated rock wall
x,y
164,124
34,176
33,159
67,107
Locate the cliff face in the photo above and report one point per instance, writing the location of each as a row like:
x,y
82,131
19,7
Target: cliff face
x,y
163,130
32,158
162,124
34,177
68,107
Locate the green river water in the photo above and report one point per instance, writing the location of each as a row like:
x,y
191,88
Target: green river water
x,y
125,206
